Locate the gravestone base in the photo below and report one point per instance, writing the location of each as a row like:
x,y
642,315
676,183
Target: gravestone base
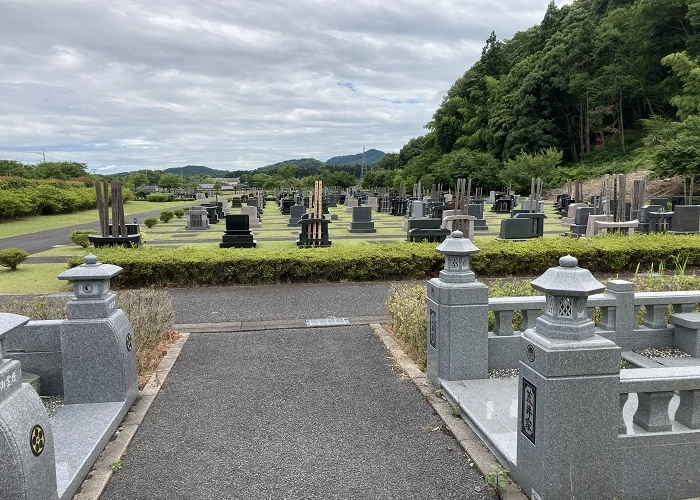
x,y
362,227
131,240
480,225
241,240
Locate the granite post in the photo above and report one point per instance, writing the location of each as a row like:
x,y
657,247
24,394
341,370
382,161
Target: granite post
x,y
97,341
568,394
457,343
27,460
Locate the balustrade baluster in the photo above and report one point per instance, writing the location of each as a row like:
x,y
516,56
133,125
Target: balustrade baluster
x,y
504,323
652,412
688,412
656,316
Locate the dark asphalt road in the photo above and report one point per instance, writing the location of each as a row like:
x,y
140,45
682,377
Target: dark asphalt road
x,y
279,302
315,413
44,240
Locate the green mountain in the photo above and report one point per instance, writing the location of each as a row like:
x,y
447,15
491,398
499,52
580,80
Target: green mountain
x,y
197,170
372,156
305,166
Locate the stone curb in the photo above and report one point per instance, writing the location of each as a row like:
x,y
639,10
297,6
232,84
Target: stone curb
x,y
470,443
283,324
98,477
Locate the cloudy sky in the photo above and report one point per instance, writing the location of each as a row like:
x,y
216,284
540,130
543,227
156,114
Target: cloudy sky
x,y
232,84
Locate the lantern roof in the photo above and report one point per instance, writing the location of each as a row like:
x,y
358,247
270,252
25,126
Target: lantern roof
x,y
567,279
90,270
457,244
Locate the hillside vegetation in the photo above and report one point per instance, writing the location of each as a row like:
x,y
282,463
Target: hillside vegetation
x,y
608,85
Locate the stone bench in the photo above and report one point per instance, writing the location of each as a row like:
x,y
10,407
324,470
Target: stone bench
x,y
615,227
686,332
591,228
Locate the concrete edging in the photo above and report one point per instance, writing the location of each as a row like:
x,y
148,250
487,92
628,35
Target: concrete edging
x,y
477,453
98,477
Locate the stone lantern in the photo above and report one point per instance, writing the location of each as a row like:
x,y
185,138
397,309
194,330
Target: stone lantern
x,y
567,289
457,343
99,356
93,298
568,394
457,251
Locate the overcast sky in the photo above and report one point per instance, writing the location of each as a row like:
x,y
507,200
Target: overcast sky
x,y
232,84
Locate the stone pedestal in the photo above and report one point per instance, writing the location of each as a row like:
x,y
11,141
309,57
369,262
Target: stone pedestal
x,y
457,338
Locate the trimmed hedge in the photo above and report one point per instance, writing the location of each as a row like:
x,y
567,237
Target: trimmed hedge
x,y
193,266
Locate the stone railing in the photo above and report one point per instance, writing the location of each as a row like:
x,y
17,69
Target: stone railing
x,y
618,321
656,390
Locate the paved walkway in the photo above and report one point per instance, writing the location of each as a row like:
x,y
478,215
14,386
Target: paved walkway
x,y
288,413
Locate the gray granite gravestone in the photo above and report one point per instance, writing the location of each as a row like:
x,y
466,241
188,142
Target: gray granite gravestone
x,y
197,219
578,228
457,343
362,220
350,203
27,462
568,394
295,213
686,219
252,213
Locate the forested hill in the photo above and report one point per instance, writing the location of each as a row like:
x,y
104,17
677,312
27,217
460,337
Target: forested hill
x,y
584,80
196,170
372,156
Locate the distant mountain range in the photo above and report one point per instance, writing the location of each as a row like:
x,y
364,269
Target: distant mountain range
x,y
307,164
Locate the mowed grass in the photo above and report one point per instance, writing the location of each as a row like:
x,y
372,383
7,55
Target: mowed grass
x,y
34,278
44,222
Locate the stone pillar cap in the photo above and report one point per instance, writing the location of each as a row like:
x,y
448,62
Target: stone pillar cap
x,y
568,280
90,270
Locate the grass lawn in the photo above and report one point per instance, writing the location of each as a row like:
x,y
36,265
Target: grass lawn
x,y
43,222
34,278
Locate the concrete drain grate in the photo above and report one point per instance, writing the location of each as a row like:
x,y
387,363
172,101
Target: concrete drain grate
x,y
327,322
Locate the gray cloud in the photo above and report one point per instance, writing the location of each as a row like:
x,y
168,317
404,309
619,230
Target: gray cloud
x,y
232,85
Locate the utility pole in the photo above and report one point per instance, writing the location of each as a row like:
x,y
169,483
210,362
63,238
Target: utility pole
x,y
43,155
363,170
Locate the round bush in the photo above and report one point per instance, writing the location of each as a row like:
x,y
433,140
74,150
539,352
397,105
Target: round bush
x,y
150,222
12,257
166,215
179,213
80,237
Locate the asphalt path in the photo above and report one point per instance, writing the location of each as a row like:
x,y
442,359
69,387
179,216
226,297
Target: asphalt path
x,y
44,240
314,413
280,302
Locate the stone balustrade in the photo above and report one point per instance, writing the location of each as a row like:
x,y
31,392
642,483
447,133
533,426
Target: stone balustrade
x,y
656,390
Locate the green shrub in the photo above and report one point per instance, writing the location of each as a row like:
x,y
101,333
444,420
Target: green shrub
x,y
160,197
179,213
80,237
12,257
150,222
166,215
